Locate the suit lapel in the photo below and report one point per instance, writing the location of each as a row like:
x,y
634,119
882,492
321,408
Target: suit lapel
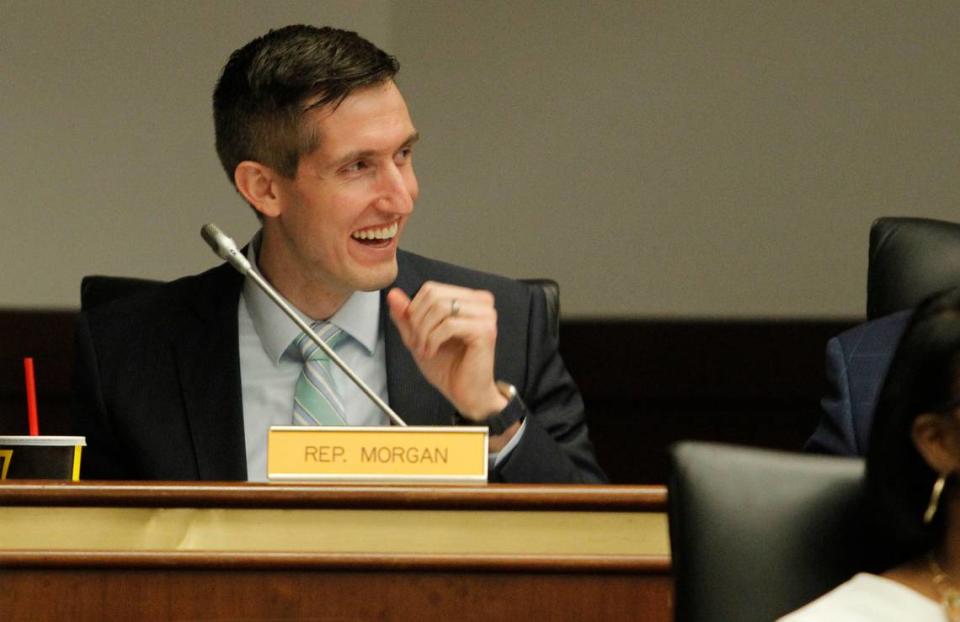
x,y
410,395
208,364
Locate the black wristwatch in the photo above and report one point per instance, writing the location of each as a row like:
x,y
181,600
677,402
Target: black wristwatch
x,y
514,411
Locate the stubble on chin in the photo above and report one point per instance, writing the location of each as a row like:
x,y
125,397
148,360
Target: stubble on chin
x,y
378,278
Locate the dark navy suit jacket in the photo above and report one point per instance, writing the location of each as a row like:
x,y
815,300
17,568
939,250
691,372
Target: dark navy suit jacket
x,y
857,364
158,381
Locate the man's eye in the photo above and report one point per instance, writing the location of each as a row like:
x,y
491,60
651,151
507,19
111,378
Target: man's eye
x,y
356,167
404,154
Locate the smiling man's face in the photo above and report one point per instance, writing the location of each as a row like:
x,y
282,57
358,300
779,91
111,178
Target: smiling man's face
x,y
341,217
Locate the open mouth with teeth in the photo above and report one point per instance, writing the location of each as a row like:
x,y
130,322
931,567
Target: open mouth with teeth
x,y
376,236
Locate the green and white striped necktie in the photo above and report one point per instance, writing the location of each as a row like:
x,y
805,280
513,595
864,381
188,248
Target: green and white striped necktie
x,y
316,401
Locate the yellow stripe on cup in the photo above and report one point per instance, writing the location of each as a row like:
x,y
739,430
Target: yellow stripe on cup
x,y
76,462
6,455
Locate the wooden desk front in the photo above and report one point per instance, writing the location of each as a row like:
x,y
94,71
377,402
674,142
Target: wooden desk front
x,y
173,551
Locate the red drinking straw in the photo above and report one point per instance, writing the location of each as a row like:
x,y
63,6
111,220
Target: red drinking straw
x,y
31,396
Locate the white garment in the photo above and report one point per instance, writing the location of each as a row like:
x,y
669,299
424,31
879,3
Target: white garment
x,y
870,598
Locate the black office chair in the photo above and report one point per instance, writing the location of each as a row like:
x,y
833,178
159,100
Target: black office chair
x,y
910,259
756,533
551,291
96,290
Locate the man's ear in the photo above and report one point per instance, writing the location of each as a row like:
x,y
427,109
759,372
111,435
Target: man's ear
x,y
937,438
257,183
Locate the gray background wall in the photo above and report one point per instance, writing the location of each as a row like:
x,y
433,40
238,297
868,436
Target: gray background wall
x,y
658,159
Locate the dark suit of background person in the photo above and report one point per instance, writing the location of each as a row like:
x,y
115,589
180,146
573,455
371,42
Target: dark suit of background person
x,y
158,381
857,364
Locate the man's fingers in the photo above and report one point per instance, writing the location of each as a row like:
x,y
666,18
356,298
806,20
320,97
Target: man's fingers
x,y
439,313
398,300
399,304
436,302
434,295
466,329
442,312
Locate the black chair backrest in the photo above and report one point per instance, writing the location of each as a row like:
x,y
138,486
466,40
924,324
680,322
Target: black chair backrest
x,y
910,259
96,290
551,291
756,533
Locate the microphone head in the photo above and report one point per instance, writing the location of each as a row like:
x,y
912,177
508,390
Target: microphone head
x,y
218,240
224,246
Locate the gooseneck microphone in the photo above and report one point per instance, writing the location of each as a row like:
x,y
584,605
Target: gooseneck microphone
x,y
227,249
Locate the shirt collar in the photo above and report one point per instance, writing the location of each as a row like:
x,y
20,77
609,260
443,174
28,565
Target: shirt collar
x,y
359,316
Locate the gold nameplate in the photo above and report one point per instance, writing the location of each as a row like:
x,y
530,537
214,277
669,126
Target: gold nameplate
x,y
383,453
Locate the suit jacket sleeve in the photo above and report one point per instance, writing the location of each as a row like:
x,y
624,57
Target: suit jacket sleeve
x,y
857,364
835,432
555,446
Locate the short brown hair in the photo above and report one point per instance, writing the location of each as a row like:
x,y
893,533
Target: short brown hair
x,y
260,97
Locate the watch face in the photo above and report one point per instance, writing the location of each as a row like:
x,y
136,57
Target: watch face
x,y
506,389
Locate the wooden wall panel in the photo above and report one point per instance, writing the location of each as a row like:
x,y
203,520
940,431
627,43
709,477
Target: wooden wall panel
x,y
257,595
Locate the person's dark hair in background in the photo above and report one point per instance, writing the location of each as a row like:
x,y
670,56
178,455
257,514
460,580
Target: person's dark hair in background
x,y
268,85
923,381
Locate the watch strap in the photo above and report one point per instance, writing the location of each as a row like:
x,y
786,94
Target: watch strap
x,y
514,411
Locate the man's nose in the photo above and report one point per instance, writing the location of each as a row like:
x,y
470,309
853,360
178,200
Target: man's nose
x,y
398,189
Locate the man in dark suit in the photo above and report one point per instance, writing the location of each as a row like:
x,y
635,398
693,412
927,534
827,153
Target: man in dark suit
x,y
182,382
857,364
